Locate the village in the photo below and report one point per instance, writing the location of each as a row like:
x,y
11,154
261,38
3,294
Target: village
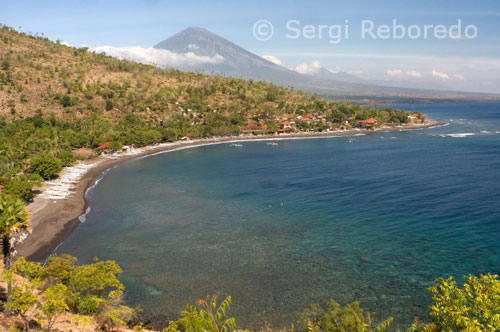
x,y
266,124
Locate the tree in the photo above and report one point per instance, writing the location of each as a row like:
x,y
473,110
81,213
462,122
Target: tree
x,y
66,157
115,314
66,101
351,318
55,303
22,296
45,165
109,105
475,307
21,186
13,216
205,316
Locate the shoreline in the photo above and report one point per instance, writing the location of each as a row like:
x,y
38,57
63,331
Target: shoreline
x,y
53,220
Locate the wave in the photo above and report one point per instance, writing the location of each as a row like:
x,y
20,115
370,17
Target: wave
x,y
83,217
456,135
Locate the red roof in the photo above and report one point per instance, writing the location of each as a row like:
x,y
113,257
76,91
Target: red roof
x,y
285,123
369,121
305,119
1,188
251,127
105,146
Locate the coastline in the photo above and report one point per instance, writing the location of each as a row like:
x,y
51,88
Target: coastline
x,y
52,220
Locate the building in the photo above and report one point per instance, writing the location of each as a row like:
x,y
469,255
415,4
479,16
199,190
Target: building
x,y
285,125
252,129
368,123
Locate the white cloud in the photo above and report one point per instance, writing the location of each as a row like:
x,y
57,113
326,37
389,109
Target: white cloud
x,y
193,47
440,75
414,73
459,77
304,68
275,60
395,72
157,57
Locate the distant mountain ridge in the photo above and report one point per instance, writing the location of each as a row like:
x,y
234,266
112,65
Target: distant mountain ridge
x,y
240,63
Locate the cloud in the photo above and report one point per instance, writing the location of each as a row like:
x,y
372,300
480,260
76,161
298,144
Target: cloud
x,y
440,75
414,73
404,74
304,68
275,60
459,77
158,57
395,72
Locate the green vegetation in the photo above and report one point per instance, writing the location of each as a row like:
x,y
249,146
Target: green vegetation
x,y
45,165
54,99
475,307
44,292
13,216
337,319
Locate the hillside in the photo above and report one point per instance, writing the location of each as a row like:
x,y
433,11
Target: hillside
x,y
38,74
235,61
55,98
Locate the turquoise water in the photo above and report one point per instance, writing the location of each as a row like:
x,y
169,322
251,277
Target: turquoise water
x,y
280,227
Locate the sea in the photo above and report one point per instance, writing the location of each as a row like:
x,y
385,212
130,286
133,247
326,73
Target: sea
x,y
372,218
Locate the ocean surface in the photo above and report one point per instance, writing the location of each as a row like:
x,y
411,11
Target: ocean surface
x,y
375,220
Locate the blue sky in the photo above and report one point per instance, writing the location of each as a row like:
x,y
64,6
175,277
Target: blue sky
x,y
465,64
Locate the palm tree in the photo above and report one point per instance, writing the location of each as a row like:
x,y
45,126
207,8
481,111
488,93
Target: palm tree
x,y
13,216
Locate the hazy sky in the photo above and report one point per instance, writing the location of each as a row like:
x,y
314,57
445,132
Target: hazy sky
x,y
471,64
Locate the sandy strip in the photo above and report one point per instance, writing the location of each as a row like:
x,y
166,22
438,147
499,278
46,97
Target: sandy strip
x,y
52,220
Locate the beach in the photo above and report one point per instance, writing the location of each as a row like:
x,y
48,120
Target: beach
x,y
53,219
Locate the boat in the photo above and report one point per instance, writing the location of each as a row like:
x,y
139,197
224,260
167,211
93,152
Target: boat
x,y
272,143
351,140
235,145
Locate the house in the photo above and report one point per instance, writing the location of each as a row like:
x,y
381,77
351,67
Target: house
x,y
413,116
185,137
368,123
1,188
285,125
252,129
108,146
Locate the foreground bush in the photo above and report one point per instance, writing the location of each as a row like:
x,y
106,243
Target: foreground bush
x,y
43,293
474,307
351,318
46,292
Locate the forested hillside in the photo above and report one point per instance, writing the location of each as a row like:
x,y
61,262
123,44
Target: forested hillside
x,y
55,98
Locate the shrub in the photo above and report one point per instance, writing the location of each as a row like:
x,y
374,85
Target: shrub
x,y
66,101
66,158
475,307
205,316
45,165
21,186
351,318
109,105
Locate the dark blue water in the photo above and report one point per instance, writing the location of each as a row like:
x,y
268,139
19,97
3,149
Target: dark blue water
x,y
280,227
